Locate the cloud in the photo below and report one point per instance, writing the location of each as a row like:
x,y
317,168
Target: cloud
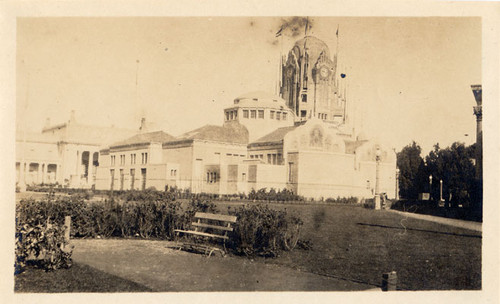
x,y
295,26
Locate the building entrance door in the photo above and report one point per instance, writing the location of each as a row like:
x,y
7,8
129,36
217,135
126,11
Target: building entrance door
x,y
143,174
122,179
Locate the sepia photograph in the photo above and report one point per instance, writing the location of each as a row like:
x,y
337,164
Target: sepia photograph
x,y
293,153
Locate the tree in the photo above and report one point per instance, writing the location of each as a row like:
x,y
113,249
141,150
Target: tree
x,y
454,167
411,166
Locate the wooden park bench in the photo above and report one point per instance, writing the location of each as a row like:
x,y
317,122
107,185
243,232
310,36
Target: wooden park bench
x,y
209,225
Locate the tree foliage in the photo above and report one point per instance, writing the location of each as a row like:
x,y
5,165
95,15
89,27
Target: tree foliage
x,y
410,165
454,166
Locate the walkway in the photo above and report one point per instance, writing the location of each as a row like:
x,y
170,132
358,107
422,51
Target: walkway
x,y
442,220
154,265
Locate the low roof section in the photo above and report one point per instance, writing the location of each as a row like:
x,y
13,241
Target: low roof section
x,y
144,138
274,137
234,133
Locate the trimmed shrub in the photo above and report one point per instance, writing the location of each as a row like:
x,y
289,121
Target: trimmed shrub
x,y
262,231
352,200
281,195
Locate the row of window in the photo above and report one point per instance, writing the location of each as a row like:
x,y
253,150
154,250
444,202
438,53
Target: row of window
x,y
322,115
257,114
144,159
212,177
173,172
272,158
132,178
235,155
278,115
232,115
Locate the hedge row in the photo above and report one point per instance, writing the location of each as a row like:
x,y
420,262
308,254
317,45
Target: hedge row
x,y
258,231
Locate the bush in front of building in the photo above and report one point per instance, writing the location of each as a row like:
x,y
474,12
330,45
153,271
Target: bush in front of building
x,y
272,195
40,237
259,229
352,200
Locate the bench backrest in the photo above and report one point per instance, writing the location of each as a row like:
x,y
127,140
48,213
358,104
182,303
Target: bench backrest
x,y
216,217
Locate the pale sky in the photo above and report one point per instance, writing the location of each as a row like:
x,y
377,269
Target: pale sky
x,y
408,78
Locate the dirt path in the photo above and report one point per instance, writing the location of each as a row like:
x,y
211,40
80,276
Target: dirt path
x,y
475,226
153,264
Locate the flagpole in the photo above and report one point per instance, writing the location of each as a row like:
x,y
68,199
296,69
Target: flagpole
x,y
337,34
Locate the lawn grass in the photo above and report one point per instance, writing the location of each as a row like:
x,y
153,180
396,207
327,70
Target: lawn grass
x,y
349,242
78,278
360,244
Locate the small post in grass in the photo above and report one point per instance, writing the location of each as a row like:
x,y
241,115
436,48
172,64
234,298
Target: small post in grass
x,y
67,224
389,281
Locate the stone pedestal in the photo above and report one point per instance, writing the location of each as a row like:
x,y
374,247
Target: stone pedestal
x,y
378,204
389,281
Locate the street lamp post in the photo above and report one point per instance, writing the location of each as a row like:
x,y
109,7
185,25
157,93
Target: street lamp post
x,y
377,179
430,187
440,190
397,184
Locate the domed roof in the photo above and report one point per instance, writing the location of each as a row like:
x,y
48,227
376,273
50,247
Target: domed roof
x,y
362,137
313,45
260,99
258,95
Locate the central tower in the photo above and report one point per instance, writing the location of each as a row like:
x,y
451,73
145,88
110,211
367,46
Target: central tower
x,y
309,84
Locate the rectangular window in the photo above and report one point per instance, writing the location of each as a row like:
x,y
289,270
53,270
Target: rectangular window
x,y
227,115
268,158
261,114
231,116
144,178
113,159
278,115
211,177
274,159
284,116
271,115
243,177
290,173
304,97
132,178
145,158
303,113
245,113
253,113
112,172
235,114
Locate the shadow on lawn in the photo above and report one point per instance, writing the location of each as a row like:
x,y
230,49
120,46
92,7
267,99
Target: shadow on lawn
x,y
421,230
78,278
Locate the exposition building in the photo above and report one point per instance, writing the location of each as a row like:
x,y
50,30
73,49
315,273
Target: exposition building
x,y
302,140
66,154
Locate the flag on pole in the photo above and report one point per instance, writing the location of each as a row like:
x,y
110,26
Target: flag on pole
x,y
280,32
